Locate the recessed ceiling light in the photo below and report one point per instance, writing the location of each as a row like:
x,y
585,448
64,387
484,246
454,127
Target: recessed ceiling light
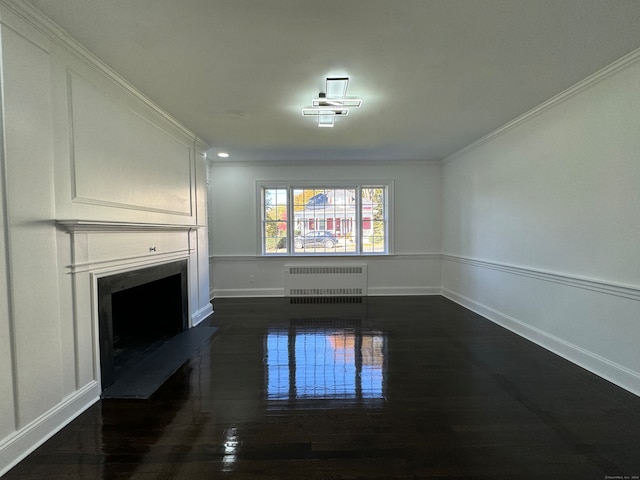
x,y
223,154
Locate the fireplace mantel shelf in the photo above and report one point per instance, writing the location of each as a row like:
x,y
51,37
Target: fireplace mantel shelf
x,y
74,226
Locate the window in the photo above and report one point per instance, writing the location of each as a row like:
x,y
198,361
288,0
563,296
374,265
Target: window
x,y
320,220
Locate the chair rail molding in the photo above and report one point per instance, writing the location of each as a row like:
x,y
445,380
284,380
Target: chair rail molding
x,y
596,285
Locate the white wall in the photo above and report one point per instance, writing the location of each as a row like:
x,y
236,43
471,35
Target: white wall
x,y
78,143
238,270
541,224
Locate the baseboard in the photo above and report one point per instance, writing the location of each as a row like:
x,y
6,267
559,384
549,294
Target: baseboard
x,y
201,314
617,374
402,291
371,291
247,292
18,445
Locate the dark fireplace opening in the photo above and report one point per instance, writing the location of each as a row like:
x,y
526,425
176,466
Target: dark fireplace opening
x,y
139,311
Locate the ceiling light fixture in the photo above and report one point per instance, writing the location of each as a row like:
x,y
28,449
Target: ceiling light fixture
x,y
223,154
333,111
326,120
337,102
332,103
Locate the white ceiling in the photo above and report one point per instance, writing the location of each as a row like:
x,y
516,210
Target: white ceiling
x,y
434,75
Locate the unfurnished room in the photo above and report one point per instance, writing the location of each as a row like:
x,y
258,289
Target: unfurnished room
x,y
284,239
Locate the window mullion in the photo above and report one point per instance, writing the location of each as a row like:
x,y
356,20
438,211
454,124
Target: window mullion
x,y
359,220
290,220
263,225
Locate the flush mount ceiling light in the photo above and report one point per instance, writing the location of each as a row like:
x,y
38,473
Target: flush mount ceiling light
x,y
332,103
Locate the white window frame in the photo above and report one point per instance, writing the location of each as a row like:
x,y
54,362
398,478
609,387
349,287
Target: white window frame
x,y
290,186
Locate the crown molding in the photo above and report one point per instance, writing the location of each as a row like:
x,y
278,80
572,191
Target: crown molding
x,y
554,101
325,163
57,36
201,145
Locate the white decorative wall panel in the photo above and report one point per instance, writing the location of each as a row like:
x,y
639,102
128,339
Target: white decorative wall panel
x,y
31,241
7,419
121,159
82,145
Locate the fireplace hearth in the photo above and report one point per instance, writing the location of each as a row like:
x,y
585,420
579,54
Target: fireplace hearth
x,y
138,312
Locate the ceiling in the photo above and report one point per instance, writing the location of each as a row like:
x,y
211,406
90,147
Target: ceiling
x,y
434,75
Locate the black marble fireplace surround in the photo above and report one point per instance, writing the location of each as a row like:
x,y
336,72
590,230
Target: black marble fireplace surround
x,y
139,310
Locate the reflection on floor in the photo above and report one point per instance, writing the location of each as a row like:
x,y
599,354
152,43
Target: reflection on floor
x,y
324,363
389,388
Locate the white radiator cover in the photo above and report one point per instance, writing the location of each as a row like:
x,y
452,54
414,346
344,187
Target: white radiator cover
x,y
321,280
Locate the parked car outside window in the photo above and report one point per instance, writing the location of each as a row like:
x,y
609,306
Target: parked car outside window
x,y
321,238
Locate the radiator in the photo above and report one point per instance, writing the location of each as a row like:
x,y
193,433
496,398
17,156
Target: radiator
x,y
325,280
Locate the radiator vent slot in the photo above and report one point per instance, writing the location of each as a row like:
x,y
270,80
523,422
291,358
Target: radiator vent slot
x,y
326,270
324,292
325,280
316,300
308,292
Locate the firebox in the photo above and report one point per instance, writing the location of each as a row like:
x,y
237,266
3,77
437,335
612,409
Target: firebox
x,y
139,311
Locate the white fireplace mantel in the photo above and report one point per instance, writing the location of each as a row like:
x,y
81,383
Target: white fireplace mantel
x,y
102,245
102,248
74,226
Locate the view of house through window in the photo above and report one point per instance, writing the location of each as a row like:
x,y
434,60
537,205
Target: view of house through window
x,y
317,220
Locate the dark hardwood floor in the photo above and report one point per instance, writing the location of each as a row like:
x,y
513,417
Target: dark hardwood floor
x,y
390,388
